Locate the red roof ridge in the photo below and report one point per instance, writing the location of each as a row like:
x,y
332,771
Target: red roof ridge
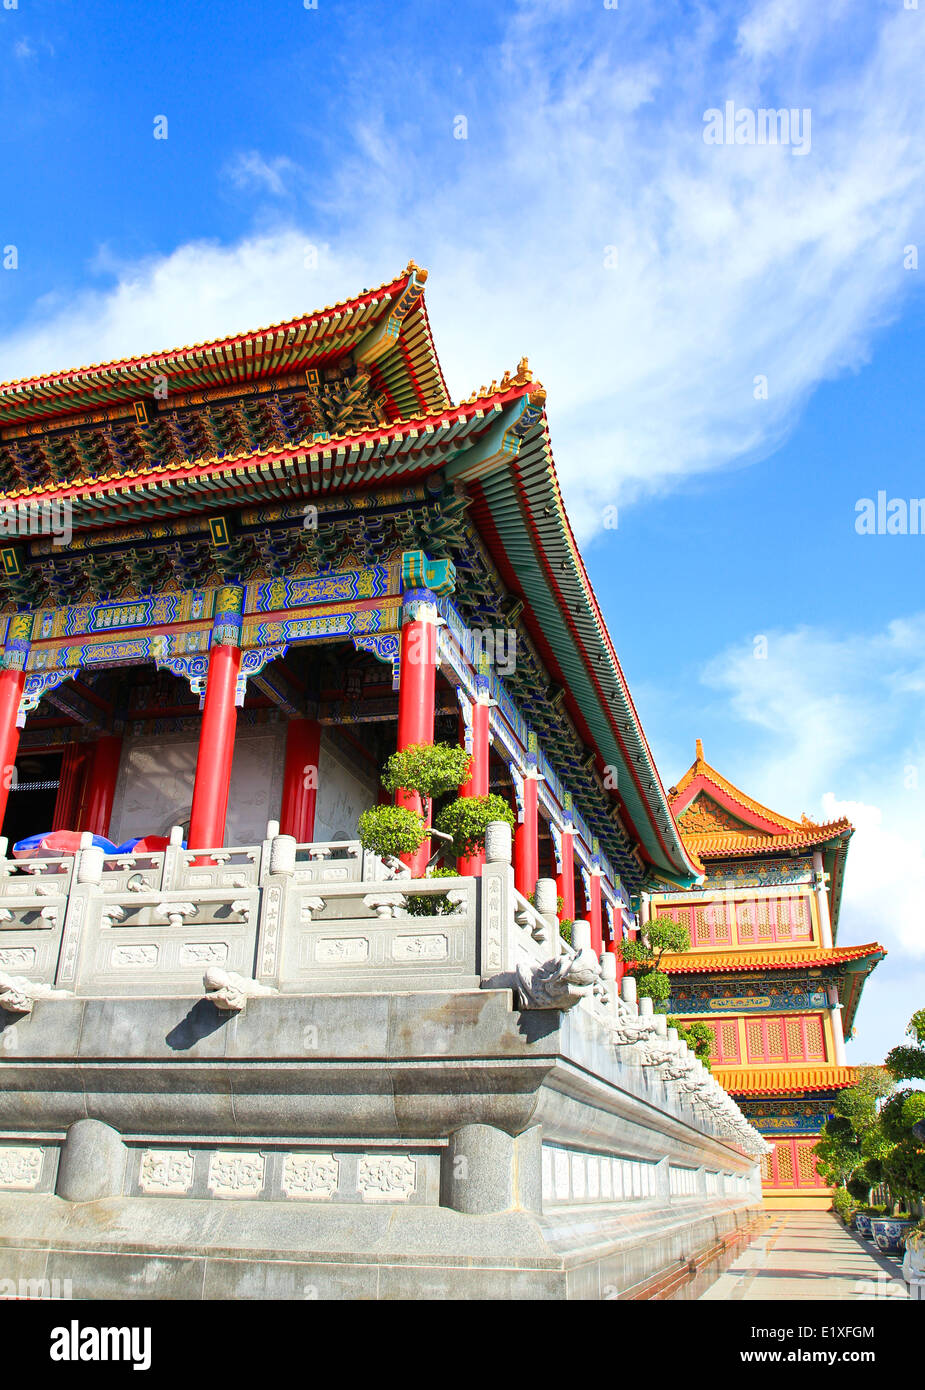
x,y
777,957
310,444
389,288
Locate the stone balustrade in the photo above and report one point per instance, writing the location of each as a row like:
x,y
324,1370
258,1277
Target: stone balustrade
x,y
361,1061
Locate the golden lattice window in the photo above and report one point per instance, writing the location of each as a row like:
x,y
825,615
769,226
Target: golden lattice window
x,y
806,1165
784,1156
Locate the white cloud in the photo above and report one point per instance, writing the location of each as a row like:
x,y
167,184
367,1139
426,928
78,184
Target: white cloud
x,y
249,170
731,262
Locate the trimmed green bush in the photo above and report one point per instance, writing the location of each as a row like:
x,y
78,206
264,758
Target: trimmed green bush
x,y
391,831
467,819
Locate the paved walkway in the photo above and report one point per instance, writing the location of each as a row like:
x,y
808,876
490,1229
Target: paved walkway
x,y
809,1255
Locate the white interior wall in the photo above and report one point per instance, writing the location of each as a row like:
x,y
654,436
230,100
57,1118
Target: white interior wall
x,y
155,787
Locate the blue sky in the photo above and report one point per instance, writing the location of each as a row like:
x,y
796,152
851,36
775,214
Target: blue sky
x,y
652,278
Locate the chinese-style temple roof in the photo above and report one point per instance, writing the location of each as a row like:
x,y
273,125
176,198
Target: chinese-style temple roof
x,y
493,449
786,958
849,967
784,1080
718,821
388,321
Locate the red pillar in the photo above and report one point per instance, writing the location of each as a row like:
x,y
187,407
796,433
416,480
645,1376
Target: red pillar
x,y
565,880
477,784
73,767
526,840
104,773
594,914
300,779
416,695
216,749
11,688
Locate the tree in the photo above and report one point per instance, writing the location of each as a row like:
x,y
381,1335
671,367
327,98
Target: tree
x,y
643,957
851,1145
467,819
698,1036
430,769
906,1063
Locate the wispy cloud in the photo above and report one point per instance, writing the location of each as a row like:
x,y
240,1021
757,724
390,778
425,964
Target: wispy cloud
x,y
661,286
251,170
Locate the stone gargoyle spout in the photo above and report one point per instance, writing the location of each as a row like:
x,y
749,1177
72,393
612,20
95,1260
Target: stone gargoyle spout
x,y
229,991
559,983
17,994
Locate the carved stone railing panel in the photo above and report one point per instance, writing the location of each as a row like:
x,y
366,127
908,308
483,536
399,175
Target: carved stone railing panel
x,y
155,943
343,861
204,869
39,877
327,937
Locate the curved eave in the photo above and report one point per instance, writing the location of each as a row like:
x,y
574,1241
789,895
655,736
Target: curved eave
x,y
520,503
781,1081
744,962
409,374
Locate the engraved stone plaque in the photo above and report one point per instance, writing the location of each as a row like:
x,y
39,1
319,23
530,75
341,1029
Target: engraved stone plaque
x,y
387,1178
165,1170
420,948
20,1168
122,957
235,1174
311,1176
203,953
346,949
17,956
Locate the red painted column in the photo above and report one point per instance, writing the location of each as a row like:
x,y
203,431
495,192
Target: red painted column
x,y
300,779
216,749
102,790
594,913
477,785
526,838
11,688
73,766
416,695
565,879
616,939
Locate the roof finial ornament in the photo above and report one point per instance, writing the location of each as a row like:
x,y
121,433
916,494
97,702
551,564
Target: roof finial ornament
x,y
524,373
413,269
700,757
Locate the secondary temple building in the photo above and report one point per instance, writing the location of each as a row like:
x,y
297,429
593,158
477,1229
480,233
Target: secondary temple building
x,y
242,1056
766,972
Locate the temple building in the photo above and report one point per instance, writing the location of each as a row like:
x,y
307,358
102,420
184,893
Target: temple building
x,y
211,554
243,1055
766,972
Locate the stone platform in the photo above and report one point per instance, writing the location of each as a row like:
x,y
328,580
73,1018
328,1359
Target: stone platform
x,y
491,1121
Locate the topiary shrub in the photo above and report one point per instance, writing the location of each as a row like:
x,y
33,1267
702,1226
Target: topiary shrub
x,y
844,1205
430,769
391,831
467,818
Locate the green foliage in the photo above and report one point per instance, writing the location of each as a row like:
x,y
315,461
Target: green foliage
x,y
643,956
903,1163
844,1205
468,817
851,1143
565,929
391,831
908,1063
900,1113
698,1036
431,769
437,906
654,985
